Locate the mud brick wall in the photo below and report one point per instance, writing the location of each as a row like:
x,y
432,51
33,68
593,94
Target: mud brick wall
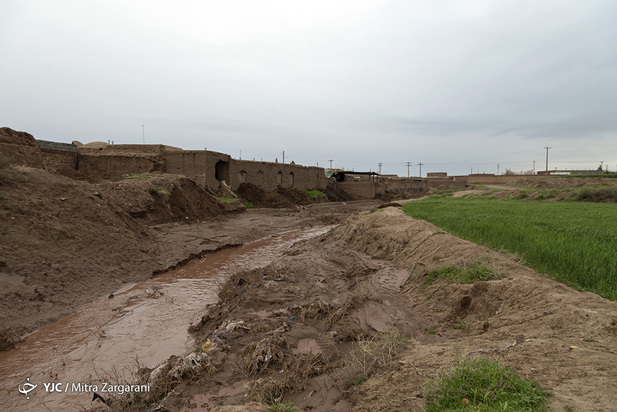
x,y
362,190
114,167
199,165
479,179
270,175
406,185
58,156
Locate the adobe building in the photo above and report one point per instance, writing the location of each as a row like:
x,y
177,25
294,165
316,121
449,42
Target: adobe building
x,y
205,167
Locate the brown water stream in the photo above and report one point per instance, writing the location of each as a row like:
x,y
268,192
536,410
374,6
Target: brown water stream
x,y
102,342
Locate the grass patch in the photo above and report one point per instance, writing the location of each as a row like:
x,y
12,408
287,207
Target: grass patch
x,y
573,242
282,407
227,199
458,326
161,190
135,176
314,193
478,384
456,274
248,205
359,380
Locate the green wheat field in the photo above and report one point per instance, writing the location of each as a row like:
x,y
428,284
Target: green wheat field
x,y
572,242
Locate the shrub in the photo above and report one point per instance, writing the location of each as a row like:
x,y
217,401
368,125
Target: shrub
x,y
597,194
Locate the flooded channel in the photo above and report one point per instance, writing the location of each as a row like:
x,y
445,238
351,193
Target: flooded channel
x,y
144,323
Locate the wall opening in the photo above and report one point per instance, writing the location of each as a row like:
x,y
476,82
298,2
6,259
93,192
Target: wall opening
x,y
291,178
242,176
221,171
260,178
279,178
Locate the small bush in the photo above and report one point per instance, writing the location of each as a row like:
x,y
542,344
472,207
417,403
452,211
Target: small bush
x,y
456,274
597,194
480,384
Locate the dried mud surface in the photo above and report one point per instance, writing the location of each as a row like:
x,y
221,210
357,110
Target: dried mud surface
x,y
286,333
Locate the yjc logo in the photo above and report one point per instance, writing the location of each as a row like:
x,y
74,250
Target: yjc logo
x,y
26,387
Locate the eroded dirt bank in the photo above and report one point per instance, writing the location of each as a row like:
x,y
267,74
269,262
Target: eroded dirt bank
x,y
65,243
294,331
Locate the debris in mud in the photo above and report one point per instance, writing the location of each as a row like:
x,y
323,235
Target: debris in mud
x,y
153,293
258,356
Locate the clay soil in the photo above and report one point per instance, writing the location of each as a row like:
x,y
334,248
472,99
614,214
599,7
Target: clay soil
x,y
67,242
294,331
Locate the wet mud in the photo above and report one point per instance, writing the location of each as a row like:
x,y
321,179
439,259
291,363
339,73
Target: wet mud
x,y
141,324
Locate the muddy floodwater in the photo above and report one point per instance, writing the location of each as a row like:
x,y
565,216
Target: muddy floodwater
x,y
143,323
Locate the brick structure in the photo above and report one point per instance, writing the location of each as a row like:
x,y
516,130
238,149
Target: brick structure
x,y
58,156
206,168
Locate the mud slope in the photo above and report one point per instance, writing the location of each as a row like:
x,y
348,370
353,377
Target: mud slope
x,y
65,242
563,338
286,333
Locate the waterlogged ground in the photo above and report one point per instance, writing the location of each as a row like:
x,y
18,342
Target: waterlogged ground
x,y
143,323
324,309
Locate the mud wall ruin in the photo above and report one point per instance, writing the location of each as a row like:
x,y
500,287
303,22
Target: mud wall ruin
x,y
270,175
58,156
206,168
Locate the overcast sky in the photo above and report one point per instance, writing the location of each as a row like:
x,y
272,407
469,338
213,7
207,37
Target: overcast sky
x,y
456,85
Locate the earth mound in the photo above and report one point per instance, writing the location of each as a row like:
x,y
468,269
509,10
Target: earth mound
x,y
308,328
259,197
19,148
65,242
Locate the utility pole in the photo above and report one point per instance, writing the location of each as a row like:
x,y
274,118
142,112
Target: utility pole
x,y
420,164
408,165
534,167
283,157
143,134
547,149
240,155
379,167
331,164
497,168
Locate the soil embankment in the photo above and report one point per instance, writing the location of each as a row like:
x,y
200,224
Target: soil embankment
x,y
67,242
295,330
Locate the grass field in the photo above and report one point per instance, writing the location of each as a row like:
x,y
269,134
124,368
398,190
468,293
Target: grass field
x,y
573,242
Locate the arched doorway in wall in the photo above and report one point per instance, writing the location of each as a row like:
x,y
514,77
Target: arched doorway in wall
x,y
242,176
221,171
291,178
260,178
279,178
